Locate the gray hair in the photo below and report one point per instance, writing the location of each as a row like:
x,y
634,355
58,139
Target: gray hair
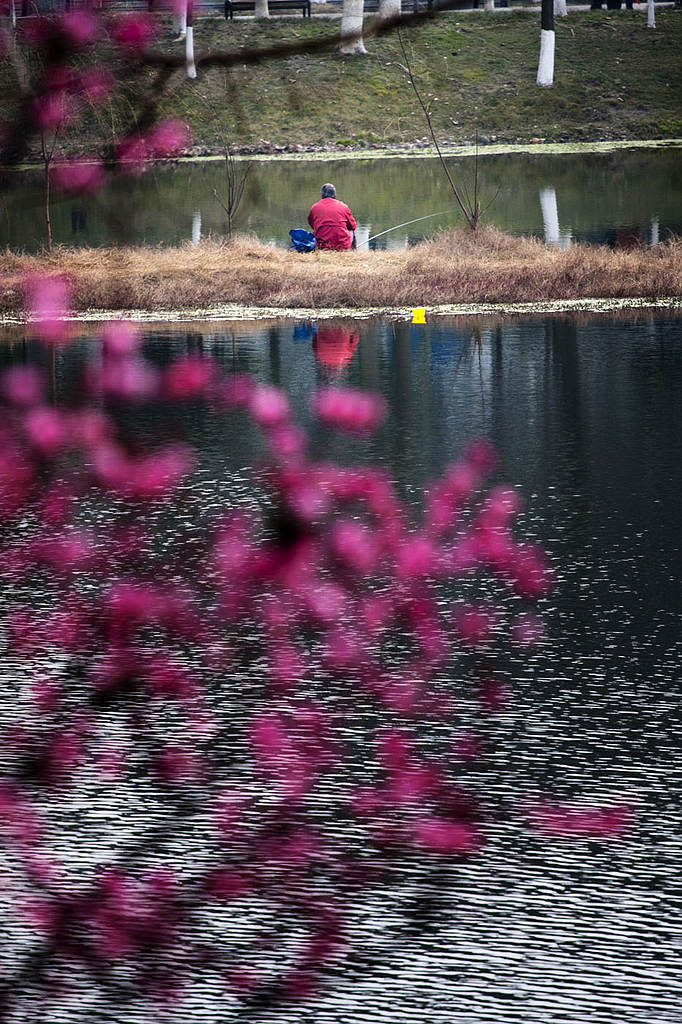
x,y
328,191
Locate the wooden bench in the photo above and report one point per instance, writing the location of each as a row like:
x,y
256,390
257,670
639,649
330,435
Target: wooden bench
x,y
273,6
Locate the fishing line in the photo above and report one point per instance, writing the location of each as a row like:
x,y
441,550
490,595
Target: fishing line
x,y
404,225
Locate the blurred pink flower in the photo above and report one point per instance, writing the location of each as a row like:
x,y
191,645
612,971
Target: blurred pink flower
x,y
78,28
47,299
133,33
78,177
120,338
96,83
22,385
51,110
168,138
353,411
597,822
46,429
440,835
131,154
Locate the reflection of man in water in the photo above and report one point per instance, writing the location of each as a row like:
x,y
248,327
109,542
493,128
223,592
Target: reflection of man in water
x,y
334,346
332,222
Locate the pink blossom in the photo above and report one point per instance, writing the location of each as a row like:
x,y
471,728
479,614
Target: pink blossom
x,y
236,392
133,32
441,835
77,177
168,138
189,377
96,83
473,624
227,885
352,411
46,429
47,300
125,378
131,154
22,385
415,557
79,28
481,455
268,407
176,764
354,544
46,694
597,822
51,110
120,338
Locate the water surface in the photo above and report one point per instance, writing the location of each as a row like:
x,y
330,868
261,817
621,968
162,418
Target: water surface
x,y
621,197
586,417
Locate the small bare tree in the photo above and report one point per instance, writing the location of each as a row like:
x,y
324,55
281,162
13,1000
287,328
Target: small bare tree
x,y
47,148
471,209
234,188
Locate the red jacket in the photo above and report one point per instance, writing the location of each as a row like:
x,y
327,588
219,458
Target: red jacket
x,y
332,223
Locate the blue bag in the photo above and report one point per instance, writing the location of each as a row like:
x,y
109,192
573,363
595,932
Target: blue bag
x,y
302,240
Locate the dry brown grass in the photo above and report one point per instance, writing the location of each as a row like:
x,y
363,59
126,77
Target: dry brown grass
x,y
455,267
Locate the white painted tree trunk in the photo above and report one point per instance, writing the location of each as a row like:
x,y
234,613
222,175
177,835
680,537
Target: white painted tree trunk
x,y
180,19
560,9
389,8
351,27
189,43
546,64
196,227
362,235
262,10
13,14
550,220
550,215
489,5
655,231
650,14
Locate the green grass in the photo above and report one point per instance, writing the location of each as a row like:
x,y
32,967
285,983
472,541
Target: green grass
x,y
614,80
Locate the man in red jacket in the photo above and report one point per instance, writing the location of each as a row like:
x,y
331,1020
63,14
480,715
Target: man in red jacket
x,y
332,221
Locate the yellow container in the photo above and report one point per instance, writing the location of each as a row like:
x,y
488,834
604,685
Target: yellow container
x,y
419,315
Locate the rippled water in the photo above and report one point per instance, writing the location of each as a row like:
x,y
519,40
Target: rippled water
x,y
587,419
621,197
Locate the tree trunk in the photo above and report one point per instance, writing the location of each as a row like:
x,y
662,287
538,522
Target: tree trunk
x,y
351,27
546,64
262,10
48,222
650,14
189,44
489,5
389,9
560,9
180,19
196,227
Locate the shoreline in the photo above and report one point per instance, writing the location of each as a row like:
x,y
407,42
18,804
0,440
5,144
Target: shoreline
x,y
411,152
229,312
454,272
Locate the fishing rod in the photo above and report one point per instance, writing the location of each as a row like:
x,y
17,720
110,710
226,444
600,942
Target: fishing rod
x,y
405,224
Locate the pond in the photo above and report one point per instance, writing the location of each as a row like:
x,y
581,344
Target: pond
x,y
586,418
620,197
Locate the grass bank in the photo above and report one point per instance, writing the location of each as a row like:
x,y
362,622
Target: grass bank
x,y
454,267
614,80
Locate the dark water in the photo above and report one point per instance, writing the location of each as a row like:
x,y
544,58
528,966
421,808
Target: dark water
x,y
618,198
587,420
